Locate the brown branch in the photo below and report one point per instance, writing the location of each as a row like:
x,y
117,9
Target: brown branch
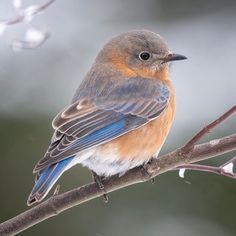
x,y
207,129
219,170
59,203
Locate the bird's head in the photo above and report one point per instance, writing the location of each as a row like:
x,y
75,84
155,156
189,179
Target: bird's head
x,y
140,52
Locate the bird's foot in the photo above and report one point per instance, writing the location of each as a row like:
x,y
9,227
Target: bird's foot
x,y
98,180
147,173
152,180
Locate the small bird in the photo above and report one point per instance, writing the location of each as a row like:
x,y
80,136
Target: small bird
x,y
119,116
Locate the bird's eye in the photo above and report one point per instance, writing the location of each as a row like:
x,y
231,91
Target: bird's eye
x,y
144,56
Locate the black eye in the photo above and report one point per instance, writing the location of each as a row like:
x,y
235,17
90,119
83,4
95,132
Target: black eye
x,y
144,56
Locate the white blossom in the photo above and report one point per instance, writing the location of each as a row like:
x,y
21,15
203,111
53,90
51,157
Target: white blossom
x,y
181,172
17,4
30,12
3,27
34,36
229,168
214,142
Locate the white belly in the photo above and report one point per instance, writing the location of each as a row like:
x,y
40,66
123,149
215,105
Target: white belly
x,y
106,164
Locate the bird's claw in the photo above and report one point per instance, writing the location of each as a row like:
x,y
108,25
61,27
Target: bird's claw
x,y
98,180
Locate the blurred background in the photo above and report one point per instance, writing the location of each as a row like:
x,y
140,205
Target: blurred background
x,y
36,84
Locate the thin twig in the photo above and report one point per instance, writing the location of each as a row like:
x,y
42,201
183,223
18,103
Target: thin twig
x,y
44,6
232,160
207,129
219,170
226,169
21,15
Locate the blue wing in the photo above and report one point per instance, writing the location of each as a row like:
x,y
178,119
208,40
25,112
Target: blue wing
x,y
92,121
89,122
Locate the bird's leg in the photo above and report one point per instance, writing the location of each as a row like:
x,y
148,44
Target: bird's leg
x,y
98,180
152,180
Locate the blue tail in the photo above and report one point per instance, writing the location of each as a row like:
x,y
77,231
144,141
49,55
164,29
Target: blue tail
x,y
47,179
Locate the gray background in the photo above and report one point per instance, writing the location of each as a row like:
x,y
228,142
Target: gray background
x,y
35,85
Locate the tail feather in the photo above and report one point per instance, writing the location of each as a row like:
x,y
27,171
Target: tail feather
x,y
47,179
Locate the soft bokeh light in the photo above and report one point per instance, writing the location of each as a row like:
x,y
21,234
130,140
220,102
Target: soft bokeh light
x,y
36,84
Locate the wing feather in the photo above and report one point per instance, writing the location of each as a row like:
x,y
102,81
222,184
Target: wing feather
x,y
93,121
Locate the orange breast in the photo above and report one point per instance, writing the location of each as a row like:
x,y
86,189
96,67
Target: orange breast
x,y
144,142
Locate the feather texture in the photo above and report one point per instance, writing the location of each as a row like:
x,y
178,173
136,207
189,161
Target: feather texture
x,y
47,179
91,121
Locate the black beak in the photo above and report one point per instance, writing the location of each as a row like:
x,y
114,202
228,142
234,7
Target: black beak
x,y
173,57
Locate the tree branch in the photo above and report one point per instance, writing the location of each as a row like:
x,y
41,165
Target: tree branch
x,y
224,170
207,129
180,158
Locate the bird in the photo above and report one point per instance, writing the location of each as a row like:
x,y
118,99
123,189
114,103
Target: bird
x,y
120,115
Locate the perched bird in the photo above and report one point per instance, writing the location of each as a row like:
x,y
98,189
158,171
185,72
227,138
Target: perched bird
x,y
120,115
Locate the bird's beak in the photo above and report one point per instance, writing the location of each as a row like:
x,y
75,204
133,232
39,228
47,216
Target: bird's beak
x,y
173,57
